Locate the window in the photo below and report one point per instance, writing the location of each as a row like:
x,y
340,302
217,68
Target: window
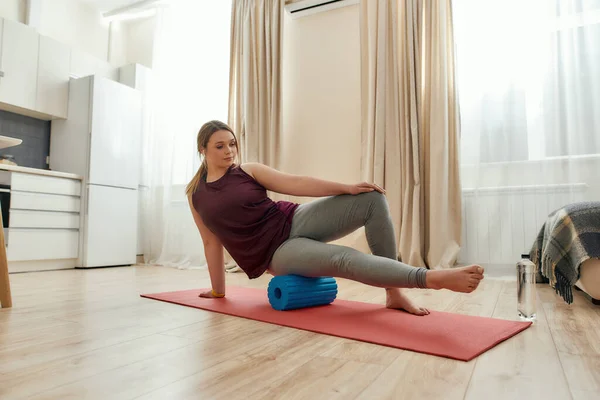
x,y
528,80
191,67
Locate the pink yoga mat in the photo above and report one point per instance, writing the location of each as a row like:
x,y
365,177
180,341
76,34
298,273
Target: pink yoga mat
x,y
457,336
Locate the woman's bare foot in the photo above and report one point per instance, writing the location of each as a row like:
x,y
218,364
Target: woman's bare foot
x,y
463,279
397,300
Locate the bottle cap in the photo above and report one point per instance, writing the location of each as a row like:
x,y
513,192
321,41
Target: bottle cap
x,y
525,256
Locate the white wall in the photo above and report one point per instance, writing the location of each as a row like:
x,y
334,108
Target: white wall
x,y
72,22
13,10
321,97
76,24
140,39
131,42
81,27
118,43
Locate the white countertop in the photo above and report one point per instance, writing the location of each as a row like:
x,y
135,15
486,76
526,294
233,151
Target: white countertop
x,y
7,141
13,168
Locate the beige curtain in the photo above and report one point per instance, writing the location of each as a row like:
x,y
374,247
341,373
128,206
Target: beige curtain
x,y
410,123
255,78
255,83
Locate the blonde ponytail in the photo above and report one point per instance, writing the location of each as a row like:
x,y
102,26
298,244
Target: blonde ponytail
x,y
195,182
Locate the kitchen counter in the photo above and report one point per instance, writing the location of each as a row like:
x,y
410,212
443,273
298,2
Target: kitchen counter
x,y
13,168
44,209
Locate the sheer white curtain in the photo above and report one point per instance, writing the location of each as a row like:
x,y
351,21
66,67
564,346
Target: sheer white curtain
x,y
529,92
190,85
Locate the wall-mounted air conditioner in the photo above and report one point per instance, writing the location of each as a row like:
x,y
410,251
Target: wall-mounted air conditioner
x,y
303,8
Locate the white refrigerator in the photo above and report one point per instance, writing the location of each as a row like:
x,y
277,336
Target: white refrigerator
x,y
100,140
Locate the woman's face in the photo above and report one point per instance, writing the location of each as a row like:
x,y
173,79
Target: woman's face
x,y
221,150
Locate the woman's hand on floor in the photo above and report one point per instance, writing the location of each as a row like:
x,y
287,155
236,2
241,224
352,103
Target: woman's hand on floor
x,y
364,187
209,295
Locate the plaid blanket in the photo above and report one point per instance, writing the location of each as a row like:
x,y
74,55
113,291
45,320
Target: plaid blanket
x,y
570,236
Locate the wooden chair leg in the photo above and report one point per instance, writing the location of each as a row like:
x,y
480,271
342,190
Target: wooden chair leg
x,y
5,296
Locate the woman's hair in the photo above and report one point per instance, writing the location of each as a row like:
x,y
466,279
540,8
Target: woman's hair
x,y
206,131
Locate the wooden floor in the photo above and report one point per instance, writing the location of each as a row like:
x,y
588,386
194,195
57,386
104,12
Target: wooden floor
x,y
86,334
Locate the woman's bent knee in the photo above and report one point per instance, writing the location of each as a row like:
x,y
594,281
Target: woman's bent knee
x,y
378,202
375,197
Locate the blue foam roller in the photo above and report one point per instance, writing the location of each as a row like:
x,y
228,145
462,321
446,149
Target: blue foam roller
x,y
289,292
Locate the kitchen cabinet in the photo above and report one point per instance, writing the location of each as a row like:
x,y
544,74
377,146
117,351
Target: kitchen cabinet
x,y
52,92
19,63
35,71
42,231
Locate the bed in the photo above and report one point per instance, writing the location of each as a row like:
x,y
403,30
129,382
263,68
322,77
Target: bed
x,y
567,250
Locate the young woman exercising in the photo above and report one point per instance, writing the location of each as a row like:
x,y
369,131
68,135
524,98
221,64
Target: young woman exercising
x,y
232,211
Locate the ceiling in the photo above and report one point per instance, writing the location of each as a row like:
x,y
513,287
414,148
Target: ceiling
x,y
109,5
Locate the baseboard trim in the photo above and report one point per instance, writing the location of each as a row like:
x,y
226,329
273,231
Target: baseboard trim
x,y
15,267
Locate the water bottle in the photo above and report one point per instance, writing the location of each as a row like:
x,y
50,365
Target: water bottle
x,y
526,294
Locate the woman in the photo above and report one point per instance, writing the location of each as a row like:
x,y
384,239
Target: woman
x,y
232,211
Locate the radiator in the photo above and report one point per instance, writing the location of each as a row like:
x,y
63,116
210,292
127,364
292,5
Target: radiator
x,y
501,223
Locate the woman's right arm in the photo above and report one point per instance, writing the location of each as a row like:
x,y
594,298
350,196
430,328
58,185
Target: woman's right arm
x,y
213,251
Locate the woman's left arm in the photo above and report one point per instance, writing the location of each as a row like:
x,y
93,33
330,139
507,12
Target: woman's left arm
x,y
303,186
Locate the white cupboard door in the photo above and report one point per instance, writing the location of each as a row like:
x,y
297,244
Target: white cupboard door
x,y
53,78
42,244
111,229
116,131
19,60
25,182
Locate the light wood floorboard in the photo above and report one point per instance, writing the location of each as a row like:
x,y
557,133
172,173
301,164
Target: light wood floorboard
x,y
87,334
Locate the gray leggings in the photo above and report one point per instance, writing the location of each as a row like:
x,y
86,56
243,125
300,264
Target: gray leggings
x,y
307,253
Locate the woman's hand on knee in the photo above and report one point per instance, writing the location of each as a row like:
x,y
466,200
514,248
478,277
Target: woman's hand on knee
x,y
364,187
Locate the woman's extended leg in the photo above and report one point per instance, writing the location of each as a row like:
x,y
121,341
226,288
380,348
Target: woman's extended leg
x,y
331,218
308,257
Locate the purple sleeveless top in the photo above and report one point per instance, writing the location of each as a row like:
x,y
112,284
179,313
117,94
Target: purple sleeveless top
x,y
249,224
